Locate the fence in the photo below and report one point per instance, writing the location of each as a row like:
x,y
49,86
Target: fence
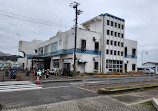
x,y
89,79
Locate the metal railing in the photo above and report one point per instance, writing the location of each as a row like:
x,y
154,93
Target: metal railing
x,y
88,79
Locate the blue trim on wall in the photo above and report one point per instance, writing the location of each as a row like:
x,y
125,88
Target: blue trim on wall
x,y
131,56
30,55
66,51
109,15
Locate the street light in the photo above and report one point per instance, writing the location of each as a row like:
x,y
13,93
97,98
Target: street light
x,y
142,56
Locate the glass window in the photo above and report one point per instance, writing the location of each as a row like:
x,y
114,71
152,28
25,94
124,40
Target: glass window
x,y
111,23
118,25
108,42
115,24
111,52
54,46
133,51
122,35
83,44
111,42
122,26
107,32
107,51
55,63
115,34
121,53
111,33
115,43
118,34
96,46
118,52
114,52
121,44
133,67
118,43
107,22
96,65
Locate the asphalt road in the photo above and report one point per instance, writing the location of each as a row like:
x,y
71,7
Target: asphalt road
x,y
50,93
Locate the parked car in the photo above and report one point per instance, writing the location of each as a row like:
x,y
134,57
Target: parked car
x,y
146,70
53,71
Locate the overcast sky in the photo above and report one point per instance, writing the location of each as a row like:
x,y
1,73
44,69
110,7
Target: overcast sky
x,y
141,20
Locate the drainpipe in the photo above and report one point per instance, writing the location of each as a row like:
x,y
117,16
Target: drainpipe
x,y
103,47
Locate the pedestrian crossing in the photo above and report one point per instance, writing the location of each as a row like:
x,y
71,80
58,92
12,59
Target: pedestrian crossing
x,y
10,86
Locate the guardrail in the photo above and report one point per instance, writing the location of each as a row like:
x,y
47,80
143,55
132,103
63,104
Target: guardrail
x,y
117,78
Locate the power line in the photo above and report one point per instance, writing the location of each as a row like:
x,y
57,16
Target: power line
x,y
42,23
27,17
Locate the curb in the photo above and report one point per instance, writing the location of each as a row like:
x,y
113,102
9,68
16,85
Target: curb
x,y
104,91
52,81
155,103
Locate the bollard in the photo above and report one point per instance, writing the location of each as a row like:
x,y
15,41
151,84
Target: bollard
x,y
19,79
3,78
66,75
83,80
56,75
45,76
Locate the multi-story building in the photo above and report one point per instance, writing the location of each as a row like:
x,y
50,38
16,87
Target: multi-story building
x,y
101,47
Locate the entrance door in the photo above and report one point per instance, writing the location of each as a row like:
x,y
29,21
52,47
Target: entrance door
x,y
66,69
125,67
82,68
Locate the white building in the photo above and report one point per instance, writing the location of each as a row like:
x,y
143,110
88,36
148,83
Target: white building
x,y
101,47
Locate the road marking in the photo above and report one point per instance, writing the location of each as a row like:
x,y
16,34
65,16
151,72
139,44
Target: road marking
x,y
17,86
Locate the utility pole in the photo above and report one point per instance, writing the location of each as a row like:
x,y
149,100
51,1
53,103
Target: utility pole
x,y
77,12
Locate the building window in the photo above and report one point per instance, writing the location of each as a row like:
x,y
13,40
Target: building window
x,y
121,44
133,51
107,32
111,42
111,33
118,43
97,46
118,34
122,26
115,24
111,52
60,42
115,34
125,51
56,63
121,53
115,43
114,52
133,67
107,22
118,25
108,42
107,51
96,65
83,44
111,23
122,36
47,49
54,46
118,52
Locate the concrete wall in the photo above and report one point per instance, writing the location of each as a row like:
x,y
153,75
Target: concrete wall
x,y
130,44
